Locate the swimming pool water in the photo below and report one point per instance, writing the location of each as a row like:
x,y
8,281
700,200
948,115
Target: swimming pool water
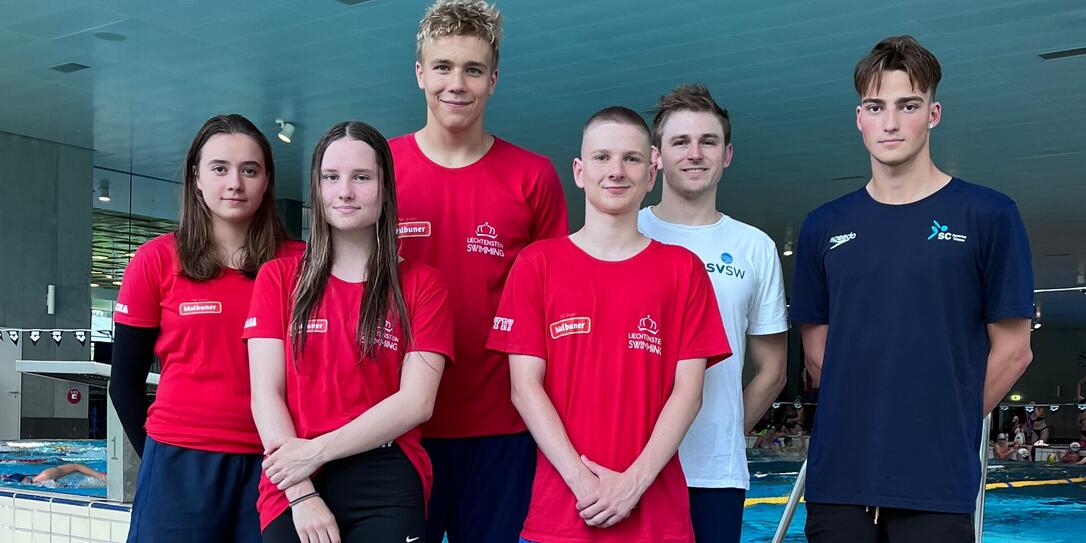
x,y
31,457
1049,514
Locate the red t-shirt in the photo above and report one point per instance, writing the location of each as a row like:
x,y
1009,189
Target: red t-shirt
x,y
203,392
612,334
326,386
470,223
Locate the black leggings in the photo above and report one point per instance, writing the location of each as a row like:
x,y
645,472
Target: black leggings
x,y
375,496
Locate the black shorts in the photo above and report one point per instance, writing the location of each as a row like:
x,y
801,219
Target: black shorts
x,y
185,495
375,496
831,523
482,487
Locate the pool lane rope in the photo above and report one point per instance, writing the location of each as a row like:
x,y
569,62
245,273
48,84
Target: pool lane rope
x,y
781,500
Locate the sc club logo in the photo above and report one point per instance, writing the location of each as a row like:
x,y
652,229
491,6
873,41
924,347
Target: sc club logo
x,y
646,338
942,233
728,269
485,241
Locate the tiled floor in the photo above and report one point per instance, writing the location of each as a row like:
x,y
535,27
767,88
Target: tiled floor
x,y
42,517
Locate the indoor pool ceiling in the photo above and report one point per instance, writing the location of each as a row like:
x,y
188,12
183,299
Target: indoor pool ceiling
x,y
1012,120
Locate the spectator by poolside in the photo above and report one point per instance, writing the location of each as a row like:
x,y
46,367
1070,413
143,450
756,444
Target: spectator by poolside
x,y
1003,449
1039,431
793,419
1082,424
1074,455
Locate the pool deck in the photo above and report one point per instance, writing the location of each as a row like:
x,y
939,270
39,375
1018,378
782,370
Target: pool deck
x,y
33,516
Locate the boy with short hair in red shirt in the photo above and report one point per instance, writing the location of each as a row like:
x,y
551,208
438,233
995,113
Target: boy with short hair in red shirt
x,y
609,334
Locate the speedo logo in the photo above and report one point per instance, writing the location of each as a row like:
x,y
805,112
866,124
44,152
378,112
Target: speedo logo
x,y
200,308
570,326
413,229
837,241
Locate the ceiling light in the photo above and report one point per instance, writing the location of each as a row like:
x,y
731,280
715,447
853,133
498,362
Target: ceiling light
x,y
103,190
1016,397
95,285
99,257
788,248
118,283
130,255
110,36
69,67
1064,54
286,130
1037,325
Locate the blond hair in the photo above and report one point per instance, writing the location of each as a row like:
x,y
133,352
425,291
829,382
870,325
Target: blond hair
x,y
461,18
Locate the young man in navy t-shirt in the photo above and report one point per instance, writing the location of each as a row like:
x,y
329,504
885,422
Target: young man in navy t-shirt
x,y
914,294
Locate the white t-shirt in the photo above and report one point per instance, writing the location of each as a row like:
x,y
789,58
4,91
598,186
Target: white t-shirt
x,y
745,270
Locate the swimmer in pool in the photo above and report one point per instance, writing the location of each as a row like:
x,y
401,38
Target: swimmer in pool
x,y
53,476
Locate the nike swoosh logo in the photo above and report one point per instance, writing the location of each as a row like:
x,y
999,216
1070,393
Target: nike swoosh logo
x,y
410,539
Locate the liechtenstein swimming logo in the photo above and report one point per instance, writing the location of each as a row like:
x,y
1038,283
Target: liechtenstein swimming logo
x,y
942,232
485,241
646,338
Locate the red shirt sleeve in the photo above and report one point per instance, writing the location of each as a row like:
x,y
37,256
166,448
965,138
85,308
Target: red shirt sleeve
x,y
519,326
702,334
138,302
270,306
548,203
431,317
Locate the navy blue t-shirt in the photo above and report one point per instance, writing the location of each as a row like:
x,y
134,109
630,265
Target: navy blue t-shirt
x,y
907,291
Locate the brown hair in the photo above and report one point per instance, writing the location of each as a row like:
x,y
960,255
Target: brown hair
x,y
195,235
898,53
688,98
618,114
461,18
383,291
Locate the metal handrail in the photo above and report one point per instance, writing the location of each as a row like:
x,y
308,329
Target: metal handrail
x,y
790,505
978,513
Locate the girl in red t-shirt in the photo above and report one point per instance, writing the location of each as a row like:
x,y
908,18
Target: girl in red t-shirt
x,y
184,297
347,346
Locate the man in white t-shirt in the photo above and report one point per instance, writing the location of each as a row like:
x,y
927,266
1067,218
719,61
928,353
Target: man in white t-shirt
x,y
693,134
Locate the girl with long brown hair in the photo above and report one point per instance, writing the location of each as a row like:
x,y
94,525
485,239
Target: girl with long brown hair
x,y
184,297
347,345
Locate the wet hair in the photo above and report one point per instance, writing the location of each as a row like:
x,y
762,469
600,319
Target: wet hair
x,y
383,296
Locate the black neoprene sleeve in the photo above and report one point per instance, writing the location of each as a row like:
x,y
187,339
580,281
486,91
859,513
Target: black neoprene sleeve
x,y
133,355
